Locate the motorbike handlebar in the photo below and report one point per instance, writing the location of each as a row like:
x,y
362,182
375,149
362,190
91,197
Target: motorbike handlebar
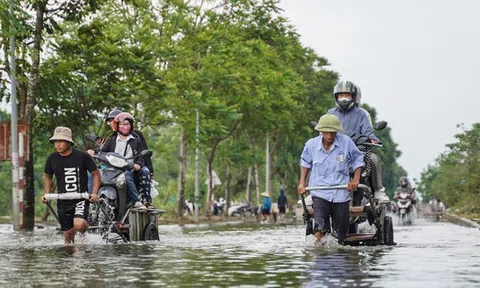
x,y
373,144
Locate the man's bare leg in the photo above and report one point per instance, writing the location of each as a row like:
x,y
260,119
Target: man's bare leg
x,y
80,224
69,236
319,235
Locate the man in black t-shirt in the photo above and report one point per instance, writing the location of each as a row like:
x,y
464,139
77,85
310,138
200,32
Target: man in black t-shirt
x,y
70,168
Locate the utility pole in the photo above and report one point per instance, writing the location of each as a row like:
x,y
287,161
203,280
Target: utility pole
x,y
267,167
197,159
16,217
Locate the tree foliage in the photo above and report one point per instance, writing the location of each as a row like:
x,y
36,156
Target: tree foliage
x,y
455,177
240,64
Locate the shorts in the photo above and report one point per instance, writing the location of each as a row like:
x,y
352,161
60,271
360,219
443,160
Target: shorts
x,y
66,214
265,211
323,209
282,210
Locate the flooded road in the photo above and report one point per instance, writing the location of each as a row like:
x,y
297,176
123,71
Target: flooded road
x,y
427,255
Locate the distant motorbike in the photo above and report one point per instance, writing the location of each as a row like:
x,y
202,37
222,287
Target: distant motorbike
x,y
434,210
218,207
189,209
404,207
242,210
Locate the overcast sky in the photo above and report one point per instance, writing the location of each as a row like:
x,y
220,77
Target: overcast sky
x,y
417,62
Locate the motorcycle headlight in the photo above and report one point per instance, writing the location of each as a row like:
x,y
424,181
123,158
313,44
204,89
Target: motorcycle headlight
x,y
116,161
121,179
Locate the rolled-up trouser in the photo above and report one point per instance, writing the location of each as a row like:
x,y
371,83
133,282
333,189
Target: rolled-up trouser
x,y
323,209
144,184
377,181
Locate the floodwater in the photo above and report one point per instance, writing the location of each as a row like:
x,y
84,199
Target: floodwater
x,y
428,254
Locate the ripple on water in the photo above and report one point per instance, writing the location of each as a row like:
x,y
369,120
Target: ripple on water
x,y
255,255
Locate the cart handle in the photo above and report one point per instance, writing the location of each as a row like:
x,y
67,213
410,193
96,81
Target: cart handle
x,y
336,187
363,186
67,196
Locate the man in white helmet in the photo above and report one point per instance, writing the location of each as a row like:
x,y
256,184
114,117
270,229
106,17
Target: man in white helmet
x,y
356,119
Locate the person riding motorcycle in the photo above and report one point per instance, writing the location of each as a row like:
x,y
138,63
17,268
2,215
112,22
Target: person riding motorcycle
x,y
357,120
404,187
136,133
145,175
124,143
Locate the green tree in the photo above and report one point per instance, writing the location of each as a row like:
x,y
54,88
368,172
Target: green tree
x,y
455,176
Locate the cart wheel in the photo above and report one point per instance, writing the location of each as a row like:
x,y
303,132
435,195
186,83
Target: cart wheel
x,y
353,228
388,231
151,232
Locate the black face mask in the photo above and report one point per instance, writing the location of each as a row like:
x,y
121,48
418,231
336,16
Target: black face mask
x,y
345,105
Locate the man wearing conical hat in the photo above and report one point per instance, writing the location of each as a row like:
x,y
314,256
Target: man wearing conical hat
x,y
328,159
70,166
266,207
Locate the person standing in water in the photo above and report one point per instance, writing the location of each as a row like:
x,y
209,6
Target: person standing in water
x,y
70,166
266,207
282,205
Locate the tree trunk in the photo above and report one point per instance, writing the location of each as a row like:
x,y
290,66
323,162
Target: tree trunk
x,y
210,159
209,185
257,184
249,183
227,190
268,188
271,179
29,192
181,175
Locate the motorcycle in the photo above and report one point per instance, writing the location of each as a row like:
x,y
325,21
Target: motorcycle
x,y
188,208
218,207
434,210
112,213
404,207
242,210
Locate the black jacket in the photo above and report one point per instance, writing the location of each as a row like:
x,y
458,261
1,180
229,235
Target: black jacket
x,y
135,143
148,160
282,199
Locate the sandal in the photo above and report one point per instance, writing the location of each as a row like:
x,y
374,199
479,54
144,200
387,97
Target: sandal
x,y
149,205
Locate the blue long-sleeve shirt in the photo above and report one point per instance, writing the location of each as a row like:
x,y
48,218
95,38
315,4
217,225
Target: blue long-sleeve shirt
x,y
355,120
331,168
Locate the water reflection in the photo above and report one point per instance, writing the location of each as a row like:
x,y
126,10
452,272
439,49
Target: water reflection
x,y
342,266
233,255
